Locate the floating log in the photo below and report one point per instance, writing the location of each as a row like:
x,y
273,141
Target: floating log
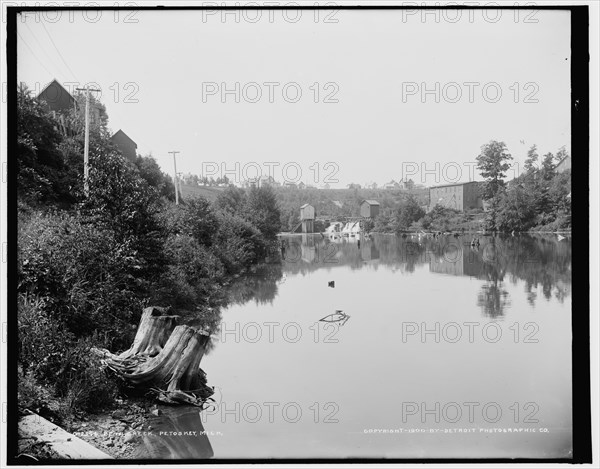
x,y
165,359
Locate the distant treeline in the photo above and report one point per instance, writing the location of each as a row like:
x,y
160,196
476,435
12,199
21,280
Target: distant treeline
x,y
537,200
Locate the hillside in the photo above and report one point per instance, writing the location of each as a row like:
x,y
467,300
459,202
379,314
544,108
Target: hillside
x,y
209,193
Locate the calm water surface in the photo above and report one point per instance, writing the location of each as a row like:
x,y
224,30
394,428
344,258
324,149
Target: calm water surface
x,y
442,346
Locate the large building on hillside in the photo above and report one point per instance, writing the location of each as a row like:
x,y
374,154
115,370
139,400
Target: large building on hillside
x,y
461,196
56,98
59,101
127,146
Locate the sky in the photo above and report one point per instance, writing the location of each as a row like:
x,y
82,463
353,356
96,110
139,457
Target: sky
x,y
330,97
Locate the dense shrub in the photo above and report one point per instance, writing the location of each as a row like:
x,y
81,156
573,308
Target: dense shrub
x,y
42,341
408,212
192,274
443,219
51,358
263,212
86,277
195,218
238,243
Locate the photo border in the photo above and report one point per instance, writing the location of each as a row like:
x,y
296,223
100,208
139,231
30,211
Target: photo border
x,y
580,296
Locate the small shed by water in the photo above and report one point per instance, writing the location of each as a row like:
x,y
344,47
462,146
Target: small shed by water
x,y
369,208
307,212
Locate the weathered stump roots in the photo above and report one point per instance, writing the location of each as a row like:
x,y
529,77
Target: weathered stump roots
x,y
164,358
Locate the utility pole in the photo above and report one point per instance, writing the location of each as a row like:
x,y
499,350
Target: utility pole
x,y
175,179
86,148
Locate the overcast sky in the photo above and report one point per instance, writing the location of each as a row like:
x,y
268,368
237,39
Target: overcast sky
x,y
162,76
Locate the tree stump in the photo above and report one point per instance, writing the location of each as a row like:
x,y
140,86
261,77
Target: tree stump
x,y
164,358
153,332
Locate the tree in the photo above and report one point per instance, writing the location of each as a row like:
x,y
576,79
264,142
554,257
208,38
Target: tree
x,y
263,212
531,161
151,173
232,200
561,154
548,166
409,212
492,162
517,209
42,175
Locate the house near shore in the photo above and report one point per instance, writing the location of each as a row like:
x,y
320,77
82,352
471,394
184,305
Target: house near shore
x,y
461,196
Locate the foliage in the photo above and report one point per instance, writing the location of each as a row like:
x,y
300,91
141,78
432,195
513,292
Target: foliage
x,y
89,263
516,211
408,212
232,200
42,173
492,162
195,218
150,171
442,219
238,243
263,211
191,275
86,276
53,357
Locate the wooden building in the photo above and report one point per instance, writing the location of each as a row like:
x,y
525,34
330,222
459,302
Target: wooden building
x,y
461,196
57,98
307,218
369,208
127,146
307,212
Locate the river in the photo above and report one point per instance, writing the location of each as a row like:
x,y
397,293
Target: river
x,y
440,350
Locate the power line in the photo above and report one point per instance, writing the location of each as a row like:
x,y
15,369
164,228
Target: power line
x,y
58,51
44,52
33,53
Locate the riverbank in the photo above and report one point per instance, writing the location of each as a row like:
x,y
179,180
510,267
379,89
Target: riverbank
x,y
117,432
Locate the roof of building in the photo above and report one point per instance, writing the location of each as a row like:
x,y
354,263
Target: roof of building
x,y
305,205
53,82
455,184
125,135
370,202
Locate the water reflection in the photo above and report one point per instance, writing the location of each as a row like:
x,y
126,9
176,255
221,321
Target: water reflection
x,y
177,434
383,282
537,260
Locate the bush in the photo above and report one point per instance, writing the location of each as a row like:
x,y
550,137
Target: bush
x,y
408,212
194,218
86,277
42,342
443,219
51,357
83,382
192,274
238,243
263,211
